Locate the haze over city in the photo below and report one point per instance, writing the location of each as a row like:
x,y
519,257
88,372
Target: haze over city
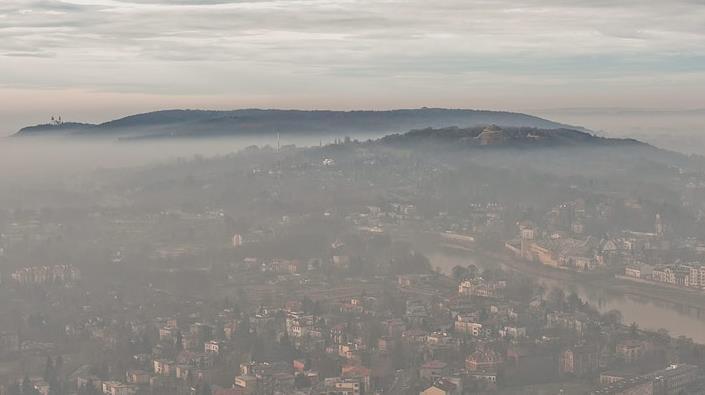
x,y
352,197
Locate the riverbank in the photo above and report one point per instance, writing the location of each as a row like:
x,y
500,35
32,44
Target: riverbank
x,y
651,307
606,281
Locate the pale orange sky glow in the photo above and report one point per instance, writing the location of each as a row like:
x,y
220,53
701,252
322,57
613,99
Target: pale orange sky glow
x,y
95,60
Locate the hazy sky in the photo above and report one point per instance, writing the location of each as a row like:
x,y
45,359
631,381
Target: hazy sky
x,y
96,59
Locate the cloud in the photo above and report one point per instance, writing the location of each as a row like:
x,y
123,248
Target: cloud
x,y
330,47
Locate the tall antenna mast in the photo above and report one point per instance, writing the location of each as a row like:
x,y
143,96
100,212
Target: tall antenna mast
x,y
278,139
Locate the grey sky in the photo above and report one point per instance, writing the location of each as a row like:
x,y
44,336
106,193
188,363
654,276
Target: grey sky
x,y
96,59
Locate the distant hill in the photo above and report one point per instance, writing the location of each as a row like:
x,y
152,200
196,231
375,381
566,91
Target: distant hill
x,y
201,123
496,136
551,151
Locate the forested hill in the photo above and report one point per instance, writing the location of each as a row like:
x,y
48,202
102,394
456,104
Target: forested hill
x,y
249,122
496,136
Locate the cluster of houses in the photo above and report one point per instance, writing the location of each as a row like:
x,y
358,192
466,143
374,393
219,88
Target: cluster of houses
x,y
418,332
564,241
691,275
39,275
558,250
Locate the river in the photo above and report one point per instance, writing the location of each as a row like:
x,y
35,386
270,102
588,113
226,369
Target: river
x,y
648,312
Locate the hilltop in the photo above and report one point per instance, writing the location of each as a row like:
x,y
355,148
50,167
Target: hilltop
x,y
496,136
550,151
